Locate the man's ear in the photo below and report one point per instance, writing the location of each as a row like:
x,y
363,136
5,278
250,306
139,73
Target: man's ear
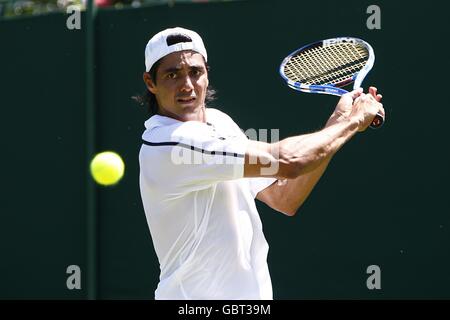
x,y
149,83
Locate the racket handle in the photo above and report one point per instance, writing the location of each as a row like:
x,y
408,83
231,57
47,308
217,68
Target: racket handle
x,y
377,121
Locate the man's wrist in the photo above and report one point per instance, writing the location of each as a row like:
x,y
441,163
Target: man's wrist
x,y
335,118
339,118
348,124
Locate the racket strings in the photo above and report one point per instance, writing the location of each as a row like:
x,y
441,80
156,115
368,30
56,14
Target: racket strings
x,y
334,64
322,60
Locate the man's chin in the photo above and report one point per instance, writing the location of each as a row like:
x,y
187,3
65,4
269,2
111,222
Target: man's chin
x,y
188,105
191,112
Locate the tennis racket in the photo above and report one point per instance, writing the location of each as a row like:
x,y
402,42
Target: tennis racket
x,y
329,65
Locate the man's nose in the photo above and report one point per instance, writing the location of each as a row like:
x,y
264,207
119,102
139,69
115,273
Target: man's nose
x,y
187,84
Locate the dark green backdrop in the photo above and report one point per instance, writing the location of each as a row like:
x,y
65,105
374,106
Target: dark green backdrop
x,y
383,201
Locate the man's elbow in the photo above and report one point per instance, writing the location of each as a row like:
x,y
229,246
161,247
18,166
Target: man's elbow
x,y
289,211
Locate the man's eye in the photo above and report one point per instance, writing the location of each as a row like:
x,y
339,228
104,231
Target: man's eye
x,y
171,75
196,73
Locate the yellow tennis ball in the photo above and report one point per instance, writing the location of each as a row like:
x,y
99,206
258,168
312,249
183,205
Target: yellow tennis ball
x,y
107,168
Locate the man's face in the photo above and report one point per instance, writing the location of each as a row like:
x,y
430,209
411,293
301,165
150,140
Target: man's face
x,y
181,83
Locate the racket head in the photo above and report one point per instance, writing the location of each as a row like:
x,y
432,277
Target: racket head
x,y
328,65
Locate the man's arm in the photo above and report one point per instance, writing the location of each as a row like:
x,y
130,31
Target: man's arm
x,y
299,155
304,159
288,197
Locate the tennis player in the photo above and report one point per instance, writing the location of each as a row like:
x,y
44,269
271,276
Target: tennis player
x,y
199,175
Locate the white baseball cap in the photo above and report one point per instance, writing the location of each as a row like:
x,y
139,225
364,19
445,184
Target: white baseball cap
x,y
160,45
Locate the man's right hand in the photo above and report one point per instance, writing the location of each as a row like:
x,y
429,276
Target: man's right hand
x,y
350,106
344,107
365,108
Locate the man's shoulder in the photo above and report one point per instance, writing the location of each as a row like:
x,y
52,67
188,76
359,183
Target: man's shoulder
x,y
221,118
216,113
177,132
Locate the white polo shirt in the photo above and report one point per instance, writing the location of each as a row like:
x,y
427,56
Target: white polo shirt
x,y
200,210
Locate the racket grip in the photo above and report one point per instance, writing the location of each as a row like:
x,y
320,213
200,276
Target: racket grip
x,y
377,121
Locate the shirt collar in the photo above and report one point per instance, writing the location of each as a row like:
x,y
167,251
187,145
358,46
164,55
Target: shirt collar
x,y
158,121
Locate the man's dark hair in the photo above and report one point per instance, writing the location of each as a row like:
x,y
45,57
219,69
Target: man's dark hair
x,y
148,99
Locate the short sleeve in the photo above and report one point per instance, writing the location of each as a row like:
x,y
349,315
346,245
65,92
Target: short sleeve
x,y
191,156
259,184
